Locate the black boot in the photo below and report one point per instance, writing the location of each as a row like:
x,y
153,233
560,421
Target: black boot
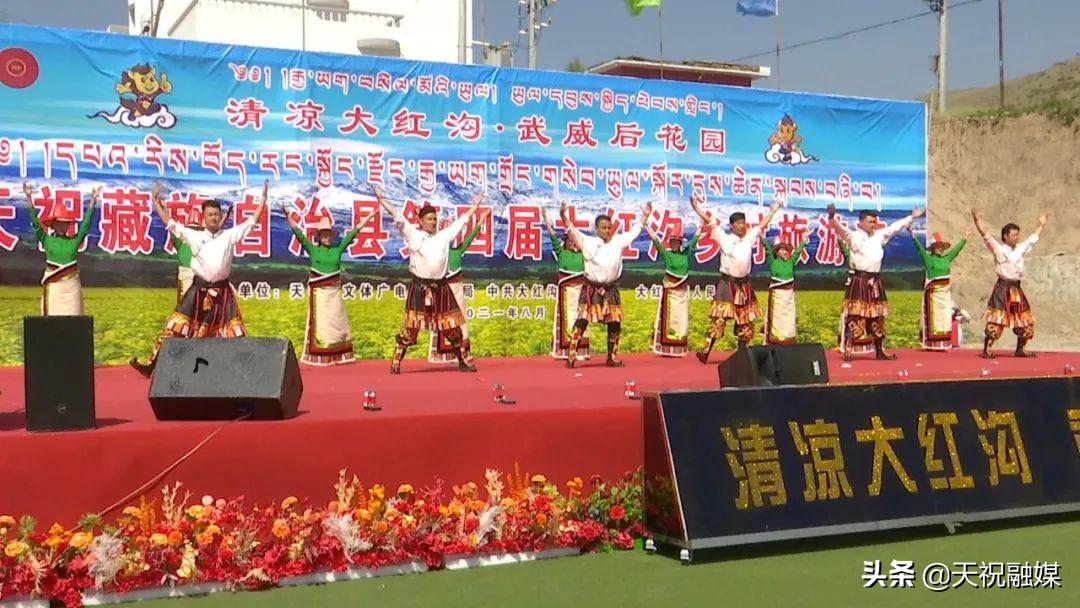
x,y
986,353
462,364
146,370
703,355
881,354
1020,352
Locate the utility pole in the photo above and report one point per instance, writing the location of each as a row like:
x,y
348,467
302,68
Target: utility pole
x,y
533,25
1001,54
533,28
942,44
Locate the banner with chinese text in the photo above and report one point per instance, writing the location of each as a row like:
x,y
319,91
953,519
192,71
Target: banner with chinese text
x,y
80,109
754,465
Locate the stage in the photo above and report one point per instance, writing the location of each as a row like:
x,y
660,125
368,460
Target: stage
x,y
435,422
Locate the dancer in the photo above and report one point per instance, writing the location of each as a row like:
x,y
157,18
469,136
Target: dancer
x,y
673,313
861,346
599,301
865,301
429,302
935,328
735,298
571,279
184,274
61,288
1008,306
209,308
441,350
780,317
327,337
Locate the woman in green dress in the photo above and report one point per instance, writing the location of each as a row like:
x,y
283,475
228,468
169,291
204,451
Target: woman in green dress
x,y
328,338
61,289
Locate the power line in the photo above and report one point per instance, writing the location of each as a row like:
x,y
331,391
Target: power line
x,y
860,30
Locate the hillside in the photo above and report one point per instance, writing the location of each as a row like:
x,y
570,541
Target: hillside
x,y
1012,169
1060,81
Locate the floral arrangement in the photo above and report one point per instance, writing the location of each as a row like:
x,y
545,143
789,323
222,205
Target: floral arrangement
x,y
219,540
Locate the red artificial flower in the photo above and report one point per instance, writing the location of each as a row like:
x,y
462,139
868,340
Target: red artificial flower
x,y
616,512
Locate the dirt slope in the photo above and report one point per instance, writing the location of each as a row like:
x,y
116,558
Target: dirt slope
x,y
1012,169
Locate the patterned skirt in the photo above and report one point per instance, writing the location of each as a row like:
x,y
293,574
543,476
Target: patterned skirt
x,y
600,303
432,305
672,318
1008,306
865,296
440,350
566,310
61,290
935,330
328,339
735,299
207,310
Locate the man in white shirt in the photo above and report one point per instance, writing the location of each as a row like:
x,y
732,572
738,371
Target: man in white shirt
x,y
430,302
865,302
599,301
1008,306
735,298
208,309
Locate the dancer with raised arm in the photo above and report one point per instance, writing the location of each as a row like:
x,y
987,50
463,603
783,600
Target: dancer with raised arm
x,y
61,288
781,325
1008,306
599,301
865,303
935,327
429,301
672,326
327,336
208,309
441,350
735,298
571,280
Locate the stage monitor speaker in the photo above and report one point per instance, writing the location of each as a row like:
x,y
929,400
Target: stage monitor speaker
x,y
775,365
226,378
58,373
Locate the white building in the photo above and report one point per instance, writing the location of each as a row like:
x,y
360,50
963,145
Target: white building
x,y
431,30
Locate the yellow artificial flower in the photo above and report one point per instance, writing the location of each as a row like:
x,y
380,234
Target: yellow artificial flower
x,y
377,492
53,541
281,528
539,480
56,529
212,529
390,513
81,540
196,511
15,548
363,515
288,502
132,511
158,538
7,521
405,489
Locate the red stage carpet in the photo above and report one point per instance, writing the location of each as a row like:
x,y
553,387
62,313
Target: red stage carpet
x,y
435,423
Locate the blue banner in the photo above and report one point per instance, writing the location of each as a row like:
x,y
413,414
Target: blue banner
x,y
757,8
84,109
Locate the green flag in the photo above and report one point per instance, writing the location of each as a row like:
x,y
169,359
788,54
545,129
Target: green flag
x,y
635,6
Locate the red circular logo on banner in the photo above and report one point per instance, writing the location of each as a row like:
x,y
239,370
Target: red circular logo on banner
x,y
18,68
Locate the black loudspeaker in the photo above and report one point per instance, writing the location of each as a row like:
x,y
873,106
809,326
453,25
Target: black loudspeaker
x,y
58,373
226,378
775,365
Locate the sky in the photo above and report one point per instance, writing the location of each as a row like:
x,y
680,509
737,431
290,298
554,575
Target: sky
x,y
891,62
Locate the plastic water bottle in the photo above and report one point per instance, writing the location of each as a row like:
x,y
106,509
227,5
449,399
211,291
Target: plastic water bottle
x,y
497,392
369,400
630,389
